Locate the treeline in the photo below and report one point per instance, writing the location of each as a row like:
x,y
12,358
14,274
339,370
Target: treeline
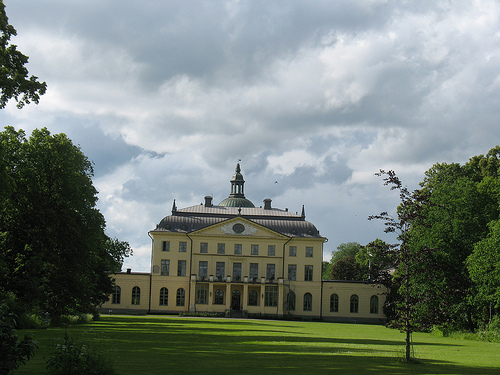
x,y
452,236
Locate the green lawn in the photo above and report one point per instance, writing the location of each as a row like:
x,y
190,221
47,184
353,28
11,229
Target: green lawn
x,y
174,345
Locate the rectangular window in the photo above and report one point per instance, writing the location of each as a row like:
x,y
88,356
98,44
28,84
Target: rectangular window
x,y
221,248
271,296
254,271
165,267
204,247
308,273
203,269
181,268
254,250
165,246
220,270
292,272
271,250
253,298
237,249
293,251
202,294
237,271
309,252
270,271
117,294
182,247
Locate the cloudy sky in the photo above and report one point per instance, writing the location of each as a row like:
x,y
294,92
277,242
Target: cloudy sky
x,y
166,96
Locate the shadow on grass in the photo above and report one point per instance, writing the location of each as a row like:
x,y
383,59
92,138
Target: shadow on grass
x,y
177,346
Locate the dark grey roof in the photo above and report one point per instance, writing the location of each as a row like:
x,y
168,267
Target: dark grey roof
x,y
197,217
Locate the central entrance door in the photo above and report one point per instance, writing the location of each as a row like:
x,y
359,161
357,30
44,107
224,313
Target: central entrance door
x,y
236,300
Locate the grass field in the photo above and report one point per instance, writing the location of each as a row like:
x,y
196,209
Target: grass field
x,y
175,345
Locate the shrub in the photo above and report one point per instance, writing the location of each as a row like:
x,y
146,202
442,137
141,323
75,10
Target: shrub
x,y
72,357
13,352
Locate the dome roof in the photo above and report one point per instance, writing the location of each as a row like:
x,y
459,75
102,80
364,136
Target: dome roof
x,y
236,202
237,196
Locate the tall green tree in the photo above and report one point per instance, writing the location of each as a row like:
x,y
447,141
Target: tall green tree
x,y
484,268
14,80
56,254
411,298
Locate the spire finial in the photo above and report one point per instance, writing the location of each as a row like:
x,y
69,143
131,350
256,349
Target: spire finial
x,y
303,215
174,207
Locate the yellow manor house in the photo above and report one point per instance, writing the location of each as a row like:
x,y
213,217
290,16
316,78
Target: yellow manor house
x,y
243,261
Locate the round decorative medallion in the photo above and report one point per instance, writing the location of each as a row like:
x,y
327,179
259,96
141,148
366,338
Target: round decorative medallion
x,y
238,228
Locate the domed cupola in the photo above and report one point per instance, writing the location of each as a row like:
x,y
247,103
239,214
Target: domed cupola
x,y
237,196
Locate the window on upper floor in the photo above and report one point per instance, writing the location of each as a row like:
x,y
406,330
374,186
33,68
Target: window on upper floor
x,y
254,271
271,250
182,247
220,270
203,247
221,248
165,246
308,273
292,272
254,249
292,251
270,271
203,269
165,267
237,248
181,268
309,252
237,271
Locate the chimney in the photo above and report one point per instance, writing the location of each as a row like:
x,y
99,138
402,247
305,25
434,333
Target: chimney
x,y
208,201
267,204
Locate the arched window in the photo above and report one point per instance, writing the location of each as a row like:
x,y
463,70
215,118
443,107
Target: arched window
x,y
181,297
354,303
117,295
334,303
374,305
308,299
163,297
291,301
253,298
136,295
219,297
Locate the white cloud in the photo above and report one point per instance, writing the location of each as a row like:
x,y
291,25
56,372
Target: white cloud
x,y
315,95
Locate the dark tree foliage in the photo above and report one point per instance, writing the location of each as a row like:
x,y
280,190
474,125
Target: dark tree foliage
x,y
346,269
13,351
464,206
376,261
56,256
14,80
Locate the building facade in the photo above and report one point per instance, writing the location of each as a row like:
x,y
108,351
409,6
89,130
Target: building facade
x,y
241,260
